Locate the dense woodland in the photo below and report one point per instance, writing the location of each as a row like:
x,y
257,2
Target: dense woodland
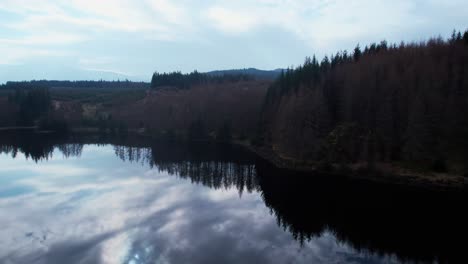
x,y
383,103
215,107
185,81
205,111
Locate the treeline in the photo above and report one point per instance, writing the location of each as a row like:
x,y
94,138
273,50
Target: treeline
x,y
312,72
212,165
385,103
75,84
256,73
34,108
33,103
210,111
185,81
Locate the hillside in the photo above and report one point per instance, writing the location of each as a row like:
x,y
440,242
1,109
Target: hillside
x,y
258,74
224,102
395,108
396,105
236,104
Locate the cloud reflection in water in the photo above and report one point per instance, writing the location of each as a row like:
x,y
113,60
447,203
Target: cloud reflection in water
x,y
98,209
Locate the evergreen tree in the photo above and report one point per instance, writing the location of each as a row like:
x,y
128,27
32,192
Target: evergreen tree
x,y
453,37
357,53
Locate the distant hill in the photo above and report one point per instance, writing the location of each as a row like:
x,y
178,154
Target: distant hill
x,y
258,74
76,84
39,72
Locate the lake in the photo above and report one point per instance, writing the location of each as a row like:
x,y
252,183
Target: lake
x,y
89,199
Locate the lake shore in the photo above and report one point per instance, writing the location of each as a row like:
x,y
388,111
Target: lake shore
x,y
386,173
17,128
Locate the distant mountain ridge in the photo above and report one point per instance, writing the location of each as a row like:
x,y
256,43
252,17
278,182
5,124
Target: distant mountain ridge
x,y
11,75
259,74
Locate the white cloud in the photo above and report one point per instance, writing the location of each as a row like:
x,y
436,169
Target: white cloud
x,y
95,61
232,21
26,7
45,39
36,28
172,13
318,23
13,55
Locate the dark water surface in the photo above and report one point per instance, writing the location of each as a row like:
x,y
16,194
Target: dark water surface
x,y
94,200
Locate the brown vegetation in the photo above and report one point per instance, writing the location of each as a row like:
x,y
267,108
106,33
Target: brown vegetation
x,y
230,106
168,109
391,104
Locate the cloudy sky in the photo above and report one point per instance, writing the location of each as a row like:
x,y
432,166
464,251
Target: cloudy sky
x,y
109,39
60,211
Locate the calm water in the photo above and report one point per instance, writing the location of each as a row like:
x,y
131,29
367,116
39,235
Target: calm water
x,y
91,200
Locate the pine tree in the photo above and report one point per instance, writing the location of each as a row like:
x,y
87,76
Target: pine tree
x,y
453,38
465,37
357,53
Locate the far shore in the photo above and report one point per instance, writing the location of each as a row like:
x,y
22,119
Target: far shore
x,y
18,128
386,173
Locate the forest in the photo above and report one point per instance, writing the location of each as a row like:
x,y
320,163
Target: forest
x,y
399,104
189,106
185,81
385,103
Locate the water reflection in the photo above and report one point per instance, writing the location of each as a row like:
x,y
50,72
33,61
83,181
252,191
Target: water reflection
x,y
180,203
215,166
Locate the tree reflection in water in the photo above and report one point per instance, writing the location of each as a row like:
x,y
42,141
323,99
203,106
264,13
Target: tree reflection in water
x,y
215,166
413,224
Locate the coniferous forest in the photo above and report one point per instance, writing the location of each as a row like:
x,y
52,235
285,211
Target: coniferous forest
x,y
381,103
265,131
395,104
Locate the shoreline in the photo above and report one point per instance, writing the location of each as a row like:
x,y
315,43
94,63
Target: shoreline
x,y
385,173
17,128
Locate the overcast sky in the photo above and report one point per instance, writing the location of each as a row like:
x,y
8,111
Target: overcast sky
x,y
109,39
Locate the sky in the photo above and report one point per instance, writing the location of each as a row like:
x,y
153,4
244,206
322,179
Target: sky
x,y
129,39
86,210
